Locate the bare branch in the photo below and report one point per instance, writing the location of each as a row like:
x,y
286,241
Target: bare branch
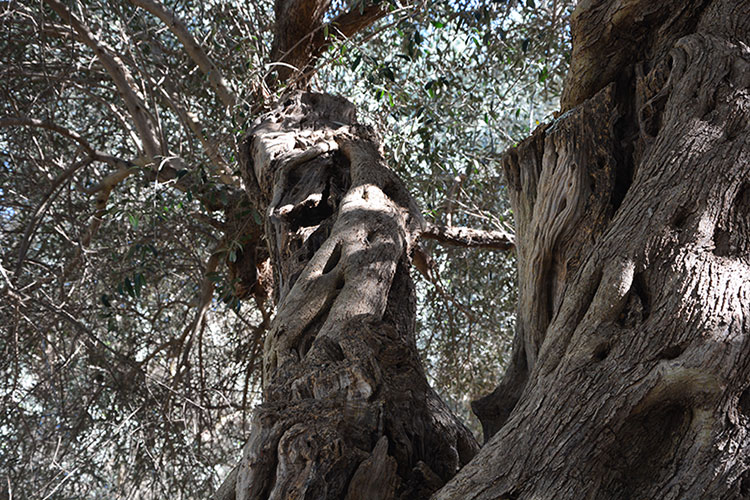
x,y
354,21
121,77
467,237
190,121
40,209
14,121
192,47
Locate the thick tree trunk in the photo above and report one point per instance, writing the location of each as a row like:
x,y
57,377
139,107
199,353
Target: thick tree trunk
x,y
347,411
631,372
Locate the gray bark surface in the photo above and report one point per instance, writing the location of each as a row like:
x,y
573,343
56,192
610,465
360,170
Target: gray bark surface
x,y
631,369
347,411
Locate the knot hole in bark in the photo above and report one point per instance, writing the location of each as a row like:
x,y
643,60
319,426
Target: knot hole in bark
x,y
680,218
672,352
601,352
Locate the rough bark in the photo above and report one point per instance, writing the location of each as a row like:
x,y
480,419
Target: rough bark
x,y
631,369
347,411
300,37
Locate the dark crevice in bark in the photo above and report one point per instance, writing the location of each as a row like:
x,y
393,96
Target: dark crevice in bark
x,y
549,277
333,259
638,303
732,235
681,218
643,449
745,485
640,289
601,352
311,214
651,115
743,404
512,169
310,333
672,352
625,132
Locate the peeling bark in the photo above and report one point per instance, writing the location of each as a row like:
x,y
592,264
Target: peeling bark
x,y
631,366
347,411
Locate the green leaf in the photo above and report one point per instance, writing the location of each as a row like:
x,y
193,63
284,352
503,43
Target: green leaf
x,y
438,24
232,255
133,220
140,282
128,286
543,74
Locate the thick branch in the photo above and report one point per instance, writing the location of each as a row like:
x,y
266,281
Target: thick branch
x,y
467,237
299,37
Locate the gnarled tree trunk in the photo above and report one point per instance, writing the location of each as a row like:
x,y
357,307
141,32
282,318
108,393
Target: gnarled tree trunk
x,y
347,411
631,372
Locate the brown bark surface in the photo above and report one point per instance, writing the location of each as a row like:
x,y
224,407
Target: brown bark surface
x,y
347,411
631,369
300,37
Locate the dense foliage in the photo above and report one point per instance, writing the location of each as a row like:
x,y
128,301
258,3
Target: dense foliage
x,y
130,351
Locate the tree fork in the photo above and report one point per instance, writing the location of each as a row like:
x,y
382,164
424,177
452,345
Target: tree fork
x,y
347,411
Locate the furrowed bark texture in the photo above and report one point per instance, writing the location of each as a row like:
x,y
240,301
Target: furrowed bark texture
x,y
347,411
631,369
